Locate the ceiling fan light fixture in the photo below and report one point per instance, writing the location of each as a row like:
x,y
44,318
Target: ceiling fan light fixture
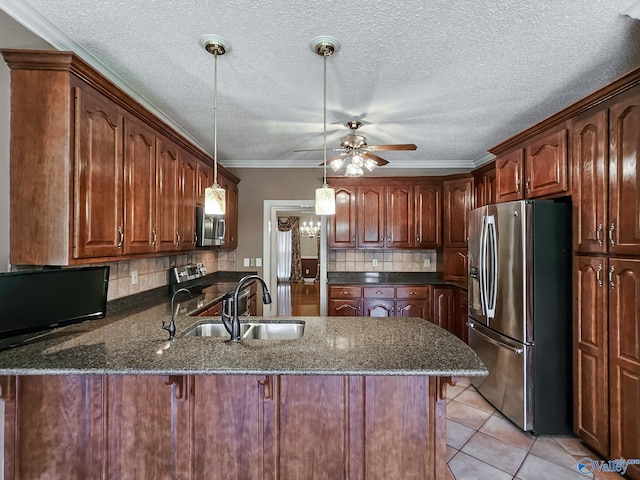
x,y
336,164
353,171
370,164
215,202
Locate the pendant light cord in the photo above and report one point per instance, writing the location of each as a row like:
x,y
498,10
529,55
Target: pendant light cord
x,y
324,144
215,119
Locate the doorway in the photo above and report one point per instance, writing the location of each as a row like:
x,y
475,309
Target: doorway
x,y
294,298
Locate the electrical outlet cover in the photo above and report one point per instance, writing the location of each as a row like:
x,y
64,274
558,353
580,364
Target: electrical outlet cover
x,y
246,262
374,262
134,277
258,262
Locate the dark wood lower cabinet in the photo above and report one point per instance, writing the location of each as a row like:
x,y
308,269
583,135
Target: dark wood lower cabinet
x,y
224,427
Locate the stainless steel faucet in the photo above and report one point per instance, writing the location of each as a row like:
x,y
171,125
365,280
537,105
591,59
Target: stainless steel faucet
x,y
171,328
232,322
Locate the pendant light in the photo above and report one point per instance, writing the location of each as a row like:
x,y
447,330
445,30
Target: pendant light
x,y
215,195
325,196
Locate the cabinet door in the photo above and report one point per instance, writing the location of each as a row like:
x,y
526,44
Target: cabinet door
x,y
400,217
167,195
458,195
54,428
428,213
624,360
186,232
462,313
591,399
455,264
342,225
98,224
443,307
232,414
371,213
147,426
589,150
509,172
413,308
204,180
546,165
490,187
231,215
314,418
344,308
139,187
379,308
624,175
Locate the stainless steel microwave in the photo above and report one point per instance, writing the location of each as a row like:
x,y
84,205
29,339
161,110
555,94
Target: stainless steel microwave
x,y
209,229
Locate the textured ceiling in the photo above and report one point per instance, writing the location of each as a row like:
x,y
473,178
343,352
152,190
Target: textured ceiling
x,y
453,77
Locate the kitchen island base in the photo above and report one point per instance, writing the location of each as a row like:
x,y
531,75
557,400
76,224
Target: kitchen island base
x,y
225,427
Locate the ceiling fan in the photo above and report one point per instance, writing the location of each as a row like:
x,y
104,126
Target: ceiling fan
x,y
357,153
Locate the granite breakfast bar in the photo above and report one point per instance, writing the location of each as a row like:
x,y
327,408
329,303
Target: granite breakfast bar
x,y
353,398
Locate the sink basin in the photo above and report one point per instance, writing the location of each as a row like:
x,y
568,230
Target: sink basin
x,y
262,330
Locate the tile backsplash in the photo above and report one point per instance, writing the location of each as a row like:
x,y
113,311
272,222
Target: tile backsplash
x,y
354,260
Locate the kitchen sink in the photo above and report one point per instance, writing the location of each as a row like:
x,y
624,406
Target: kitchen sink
x,y
262,330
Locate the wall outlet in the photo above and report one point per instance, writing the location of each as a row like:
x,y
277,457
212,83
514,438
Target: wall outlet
x,y
374,262
246,262
258,262
134,277
426,262
252,262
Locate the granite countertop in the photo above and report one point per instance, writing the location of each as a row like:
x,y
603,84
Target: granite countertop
x,y
131,341
390,278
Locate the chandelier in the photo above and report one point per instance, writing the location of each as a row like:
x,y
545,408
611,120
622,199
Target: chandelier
x,y
310,230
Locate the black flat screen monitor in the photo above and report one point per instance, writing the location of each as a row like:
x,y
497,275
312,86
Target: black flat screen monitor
x,y
39,300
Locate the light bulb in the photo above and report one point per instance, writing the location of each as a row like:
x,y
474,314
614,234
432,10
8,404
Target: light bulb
x,y
336,164
353,171
370,164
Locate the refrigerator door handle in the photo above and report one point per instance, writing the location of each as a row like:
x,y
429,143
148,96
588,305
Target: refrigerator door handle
x,y
482,266
517,351
491,266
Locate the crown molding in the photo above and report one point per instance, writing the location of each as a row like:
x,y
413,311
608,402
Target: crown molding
x,y
41,26
468,164
486,158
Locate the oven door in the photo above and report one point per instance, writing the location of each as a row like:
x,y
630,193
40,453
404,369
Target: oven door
x,y
509,385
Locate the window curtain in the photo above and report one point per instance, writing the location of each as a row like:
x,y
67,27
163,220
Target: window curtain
x,y
292,224
284,256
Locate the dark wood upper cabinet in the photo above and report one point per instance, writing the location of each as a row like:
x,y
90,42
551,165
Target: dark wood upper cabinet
x,y
231,214
484,182
371,215
509,173
140,185
428,216
624,175
186,232
458,201
204,180
167,195
545,162
99,226
589,150
400,225
342,225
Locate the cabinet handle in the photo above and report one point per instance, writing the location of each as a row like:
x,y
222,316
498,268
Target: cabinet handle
x,y
412,293
345,293
599,229
389,239
121,232
527,184
353,239
378,292
266,385
517,184
611,228
599,269
611,284
177,237
381,239
179,382
153,232
418,239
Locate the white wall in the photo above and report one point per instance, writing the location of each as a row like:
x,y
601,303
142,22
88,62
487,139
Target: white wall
x,y
12,35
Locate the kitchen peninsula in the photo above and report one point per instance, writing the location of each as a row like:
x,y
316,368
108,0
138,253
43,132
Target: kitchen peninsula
x,y
353,398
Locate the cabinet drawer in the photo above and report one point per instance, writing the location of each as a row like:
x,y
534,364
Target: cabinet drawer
x,y
345,292
413,292
379,292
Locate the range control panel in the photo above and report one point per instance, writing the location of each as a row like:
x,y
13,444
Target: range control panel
x,y
187,272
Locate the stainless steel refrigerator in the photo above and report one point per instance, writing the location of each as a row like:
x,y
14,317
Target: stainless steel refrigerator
x,y
520,310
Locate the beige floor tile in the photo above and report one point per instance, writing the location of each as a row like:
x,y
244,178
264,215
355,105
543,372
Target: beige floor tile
x,y
474,399
496,453
451,452
464,382
548,448
453,392
572,445
465,467
469,416
458,435
506,431
537,468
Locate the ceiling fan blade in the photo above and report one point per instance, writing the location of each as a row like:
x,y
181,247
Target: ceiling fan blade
x,y
379,160
320,149
400,146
